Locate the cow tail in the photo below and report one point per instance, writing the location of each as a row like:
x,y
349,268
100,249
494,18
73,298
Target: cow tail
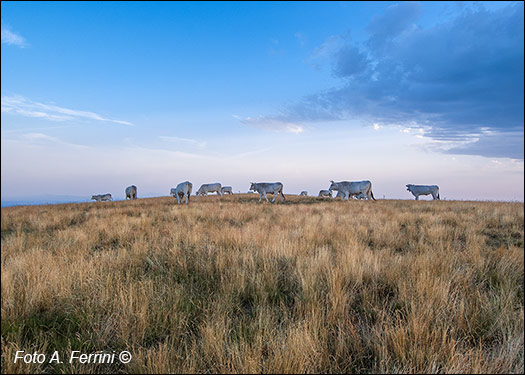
x,y
282,194
438,196
372,194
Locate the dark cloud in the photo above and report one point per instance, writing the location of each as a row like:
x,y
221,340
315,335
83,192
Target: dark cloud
x,y
461,79
350,62
498,145
396,20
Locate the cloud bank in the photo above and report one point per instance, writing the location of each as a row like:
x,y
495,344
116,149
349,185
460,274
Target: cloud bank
x,y
460,80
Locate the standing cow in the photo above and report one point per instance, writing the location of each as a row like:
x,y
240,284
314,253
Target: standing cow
x,y
339,194
418,190
131,192
264,188
350,188
183,190
209,188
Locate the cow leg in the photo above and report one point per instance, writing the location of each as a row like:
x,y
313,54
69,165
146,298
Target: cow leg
x,y
347,195
266,197
260,197
417,197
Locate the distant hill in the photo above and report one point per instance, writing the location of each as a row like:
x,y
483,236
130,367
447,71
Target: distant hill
x,y
44,199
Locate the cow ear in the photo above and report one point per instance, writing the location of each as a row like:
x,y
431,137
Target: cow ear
x,y
332,181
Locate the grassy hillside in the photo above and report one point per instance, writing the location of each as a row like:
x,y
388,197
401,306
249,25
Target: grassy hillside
x,y
229,285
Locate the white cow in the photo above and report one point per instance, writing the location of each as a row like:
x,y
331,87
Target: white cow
x,y
353,188
418,190
264,188
210,188
304,193
183,190
131,192
226,189
325,193
340,194
101,197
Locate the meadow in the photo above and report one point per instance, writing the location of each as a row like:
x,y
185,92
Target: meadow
x,y
228,285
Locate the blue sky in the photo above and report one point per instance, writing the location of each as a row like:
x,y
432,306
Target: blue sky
x,y
97,96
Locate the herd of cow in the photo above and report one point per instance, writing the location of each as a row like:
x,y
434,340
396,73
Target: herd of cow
x,y
345,190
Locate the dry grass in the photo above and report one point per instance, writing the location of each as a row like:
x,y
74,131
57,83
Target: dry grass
x,y
228,286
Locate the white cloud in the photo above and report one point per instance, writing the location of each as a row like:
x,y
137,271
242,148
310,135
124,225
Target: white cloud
x,y
10,38
272,123
188,141
19,105
43,139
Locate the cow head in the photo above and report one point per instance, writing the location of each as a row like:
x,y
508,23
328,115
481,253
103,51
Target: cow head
x,y
333,186
409,187
252,186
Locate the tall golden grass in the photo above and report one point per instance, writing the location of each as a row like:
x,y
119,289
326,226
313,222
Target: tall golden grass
x,y
229,285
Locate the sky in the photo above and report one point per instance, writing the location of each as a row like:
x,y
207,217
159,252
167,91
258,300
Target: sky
x,y
97,96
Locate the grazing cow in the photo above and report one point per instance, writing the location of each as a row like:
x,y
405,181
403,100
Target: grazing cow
x,y
131,192
210,188
418,190
101,197
183,190
304,193
226,189
325,193
264,188
353,188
